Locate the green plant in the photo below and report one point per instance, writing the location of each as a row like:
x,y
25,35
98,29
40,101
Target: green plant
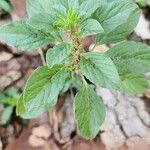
x,y
67,22
4,5
142,3
9,99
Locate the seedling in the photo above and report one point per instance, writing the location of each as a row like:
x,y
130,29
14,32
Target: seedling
x,y
67,23
9,100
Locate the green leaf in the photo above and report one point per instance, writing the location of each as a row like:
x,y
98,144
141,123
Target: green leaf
x,y
58,55
23,36
118,20
70,4
115,13
132,61
9,96
12,92
90,27
20,108
89,112
142,3
133,84
6,115
49,6
59,11
100,70
46,23
67,85
5,6
131,57
41,91
35,7
42,21
96,2
2,97
11,101
25,113
88,7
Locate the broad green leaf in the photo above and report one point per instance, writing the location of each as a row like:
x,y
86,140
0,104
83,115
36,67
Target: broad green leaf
x,y
11,101
45,22
142,3
70,4
6,115
28,114
90,27
51,7
12,92
118,20
35,7
2,97
23,36
100,70
89,112
131,57
5,6
39,79
42,21
9,96
59,11
41,91
121,33
114,14
94,2
20,108
133,84
80,1
58,55
88,7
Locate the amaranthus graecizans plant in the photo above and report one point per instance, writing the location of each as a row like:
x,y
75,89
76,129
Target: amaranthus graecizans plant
x,y
68,22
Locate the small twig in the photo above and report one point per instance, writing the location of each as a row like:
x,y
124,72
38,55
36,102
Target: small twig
x,y
42,56
71,92
94,46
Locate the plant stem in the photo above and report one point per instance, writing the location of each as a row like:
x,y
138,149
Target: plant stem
x,y
76,50
42,56
83,79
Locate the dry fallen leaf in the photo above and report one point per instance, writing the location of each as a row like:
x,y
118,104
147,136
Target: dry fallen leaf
x,y
99,48
143,28
1,145
34,141
43,131
4,56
